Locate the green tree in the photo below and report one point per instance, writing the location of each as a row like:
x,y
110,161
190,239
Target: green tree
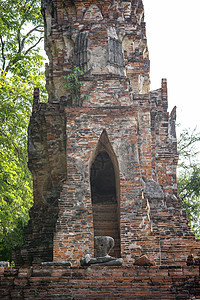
x,y
189,176
21,31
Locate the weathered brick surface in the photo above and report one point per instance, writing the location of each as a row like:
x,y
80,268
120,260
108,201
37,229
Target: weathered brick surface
x,y
47,162
103,164
177,283
104,23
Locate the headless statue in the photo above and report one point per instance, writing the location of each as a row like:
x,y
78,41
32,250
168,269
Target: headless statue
x,y
102,244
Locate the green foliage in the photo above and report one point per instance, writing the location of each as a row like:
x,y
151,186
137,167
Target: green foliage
x,y
73,84
189,176
21,30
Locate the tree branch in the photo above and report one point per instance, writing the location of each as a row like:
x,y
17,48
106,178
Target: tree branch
x,y
29,49
19,41
16,59
2,53
40,30
29,33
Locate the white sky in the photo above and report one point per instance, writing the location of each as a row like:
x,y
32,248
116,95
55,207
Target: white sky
x,y
173,36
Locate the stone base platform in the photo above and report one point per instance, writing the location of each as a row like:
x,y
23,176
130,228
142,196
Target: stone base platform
x,y
55,282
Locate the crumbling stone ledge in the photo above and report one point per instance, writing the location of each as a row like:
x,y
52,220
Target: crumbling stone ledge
x,y
55,282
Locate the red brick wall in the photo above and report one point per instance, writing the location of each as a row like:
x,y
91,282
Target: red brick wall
x,y
106,283
84,128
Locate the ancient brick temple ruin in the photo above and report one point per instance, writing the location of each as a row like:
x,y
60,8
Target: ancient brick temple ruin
x,y
104,163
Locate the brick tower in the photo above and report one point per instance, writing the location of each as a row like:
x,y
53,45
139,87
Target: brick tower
x,y
103,164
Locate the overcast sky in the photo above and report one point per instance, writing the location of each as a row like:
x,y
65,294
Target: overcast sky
x,y
173,36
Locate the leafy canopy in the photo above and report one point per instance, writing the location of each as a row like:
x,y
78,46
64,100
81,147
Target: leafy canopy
x,y
189,176
21,31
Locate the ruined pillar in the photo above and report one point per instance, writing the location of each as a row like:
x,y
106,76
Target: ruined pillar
x,y
103,157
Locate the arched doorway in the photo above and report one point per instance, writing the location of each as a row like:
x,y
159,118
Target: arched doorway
x,y
105,202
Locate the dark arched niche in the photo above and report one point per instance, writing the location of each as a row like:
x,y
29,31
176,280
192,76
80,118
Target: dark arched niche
x,y
104,181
